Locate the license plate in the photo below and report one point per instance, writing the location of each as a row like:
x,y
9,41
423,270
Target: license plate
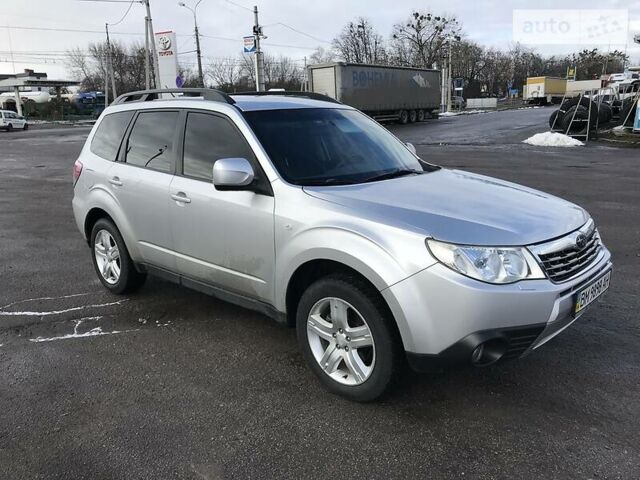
x,y
589,294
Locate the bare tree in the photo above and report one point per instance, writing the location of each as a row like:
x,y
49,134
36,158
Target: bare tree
x,y
322,55
90,66
224,72
360,43
419,41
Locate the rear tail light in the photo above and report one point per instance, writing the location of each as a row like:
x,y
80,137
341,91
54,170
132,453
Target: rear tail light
x,y
77,170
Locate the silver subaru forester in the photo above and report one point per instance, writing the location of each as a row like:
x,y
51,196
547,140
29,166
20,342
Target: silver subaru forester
x,y
309,211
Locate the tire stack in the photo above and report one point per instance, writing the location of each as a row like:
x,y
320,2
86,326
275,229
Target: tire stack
x,y
573,115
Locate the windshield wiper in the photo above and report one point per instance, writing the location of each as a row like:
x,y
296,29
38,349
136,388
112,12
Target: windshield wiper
x,y
314,182
399,172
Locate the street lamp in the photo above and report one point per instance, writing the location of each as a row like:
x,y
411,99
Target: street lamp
x,y
195,23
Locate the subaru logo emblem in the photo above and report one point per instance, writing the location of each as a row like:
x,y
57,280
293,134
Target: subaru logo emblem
x,y
581,241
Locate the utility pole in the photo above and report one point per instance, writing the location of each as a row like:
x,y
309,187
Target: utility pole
x,y
147,73
259,59
449,78
154,54
198,51
110,63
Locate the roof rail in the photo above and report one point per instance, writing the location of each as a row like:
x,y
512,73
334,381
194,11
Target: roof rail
x,y
154,94
292,93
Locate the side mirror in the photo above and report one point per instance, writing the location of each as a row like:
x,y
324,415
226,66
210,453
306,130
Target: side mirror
x,y
232,174
412,148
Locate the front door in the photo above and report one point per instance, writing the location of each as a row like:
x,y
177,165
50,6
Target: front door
x,y
223,238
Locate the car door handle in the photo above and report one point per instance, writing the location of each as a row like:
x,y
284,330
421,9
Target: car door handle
x,y
115,181
181,197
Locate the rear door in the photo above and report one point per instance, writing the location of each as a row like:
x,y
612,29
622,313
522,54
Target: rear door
x,y
140,183
223,238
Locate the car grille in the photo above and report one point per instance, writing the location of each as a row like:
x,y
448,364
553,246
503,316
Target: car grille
x,y
563,264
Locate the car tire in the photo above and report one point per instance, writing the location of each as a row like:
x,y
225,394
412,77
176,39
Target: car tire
x,y
111,259
360,373
421,115
626,115
403,118
26,126
9,128
579,124
555,120
583,102
413,116
605,113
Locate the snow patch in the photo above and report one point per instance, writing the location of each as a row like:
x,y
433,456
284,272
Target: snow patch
x,y
463,112
94,332
58,312
552,139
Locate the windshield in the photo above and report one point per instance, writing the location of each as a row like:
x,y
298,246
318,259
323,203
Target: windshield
x,y
331,146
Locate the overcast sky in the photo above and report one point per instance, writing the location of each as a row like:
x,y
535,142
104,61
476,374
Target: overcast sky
x,y
488,22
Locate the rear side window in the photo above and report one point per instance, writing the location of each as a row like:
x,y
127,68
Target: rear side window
x,y
209,138
150,144
107,139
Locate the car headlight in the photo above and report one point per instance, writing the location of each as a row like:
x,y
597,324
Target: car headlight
x,y
488,264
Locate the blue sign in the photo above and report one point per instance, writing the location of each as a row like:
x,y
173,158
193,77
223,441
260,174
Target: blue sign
x,y
636,125
249,44
179,81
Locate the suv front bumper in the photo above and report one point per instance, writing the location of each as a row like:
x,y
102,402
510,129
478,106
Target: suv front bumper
x,y
443,316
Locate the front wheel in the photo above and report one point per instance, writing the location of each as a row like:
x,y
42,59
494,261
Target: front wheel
x,y
348,338
9,128
26,126
111,259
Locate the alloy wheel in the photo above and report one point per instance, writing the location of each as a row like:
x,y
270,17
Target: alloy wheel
x,y
341,341
107,257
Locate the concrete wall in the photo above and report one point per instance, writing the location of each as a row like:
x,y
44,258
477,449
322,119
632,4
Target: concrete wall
x,y
481,103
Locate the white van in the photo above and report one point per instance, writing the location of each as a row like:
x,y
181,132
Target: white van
x,y
10,120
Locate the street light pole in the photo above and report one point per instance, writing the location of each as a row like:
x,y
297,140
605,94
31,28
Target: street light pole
x,y
198,51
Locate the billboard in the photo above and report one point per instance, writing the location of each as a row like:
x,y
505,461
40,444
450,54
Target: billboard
x,y
167,59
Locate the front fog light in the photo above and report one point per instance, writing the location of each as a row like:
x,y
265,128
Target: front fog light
x,y
488,264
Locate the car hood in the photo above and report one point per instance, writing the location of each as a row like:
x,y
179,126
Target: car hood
x,y
460,207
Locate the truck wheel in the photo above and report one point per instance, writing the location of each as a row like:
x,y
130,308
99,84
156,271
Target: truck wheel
x,y
413,116
404,117
421,115
348,338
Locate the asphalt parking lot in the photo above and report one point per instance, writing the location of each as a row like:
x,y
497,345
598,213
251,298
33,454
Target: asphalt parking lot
x,y
169,383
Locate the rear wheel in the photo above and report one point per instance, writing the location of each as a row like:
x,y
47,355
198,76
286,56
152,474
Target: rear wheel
x,y
421,115
348,338
26,126
111,259
403,118
413,116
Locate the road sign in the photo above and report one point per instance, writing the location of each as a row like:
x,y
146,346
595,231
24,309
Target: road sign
x,y
249,44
